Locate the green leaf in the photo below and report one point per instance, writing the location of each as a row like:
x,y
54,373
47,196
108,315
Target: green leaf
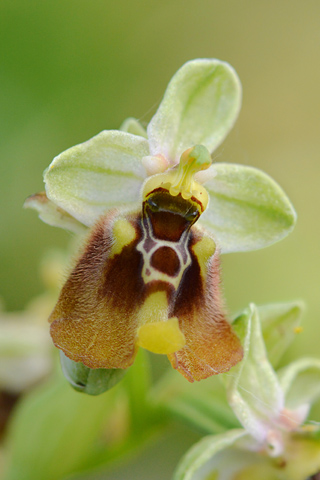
x,y
55,432
53,215
203,451
200,106
253,390
206,414
248,210
138,383
280,324
88,380
300,382
132,125
94,176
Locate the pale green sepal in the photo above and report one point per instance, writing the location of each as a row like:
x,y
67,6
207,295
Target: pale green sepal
x,y
53,215
94,176
88,380
132,125
200,106
248,210
203,451
253,390
279,323
300,381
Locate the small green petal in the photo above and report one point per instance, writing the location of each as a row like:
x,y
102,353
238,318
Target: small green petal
x,y
200,106
132,125
253,390
248,210
50,213
94,176
203,451
280,325
300,382
87,380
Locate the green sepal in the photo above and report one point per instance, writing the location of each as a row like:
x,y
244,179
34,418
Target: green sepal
x,y
104,172
200,106
248,210
53,215
88,380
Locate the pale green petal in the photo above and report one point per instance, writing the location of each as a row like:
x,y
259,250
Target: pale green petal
x,y
300,382
94,176
50,213
252,386
203,451
132,125
200,106
248,210
280,325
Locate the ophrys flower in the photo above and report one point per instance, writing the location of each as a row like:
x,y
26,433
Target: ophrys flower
x,y
148,276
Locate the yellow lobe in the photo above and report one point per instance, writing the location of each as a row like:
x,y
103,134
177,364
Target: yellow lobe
x,y
123,234
161,337
157,333
204,249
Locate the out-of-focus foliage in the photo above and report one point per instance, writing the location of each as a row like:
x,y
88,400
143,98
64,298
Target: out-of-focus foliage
x,y
71,69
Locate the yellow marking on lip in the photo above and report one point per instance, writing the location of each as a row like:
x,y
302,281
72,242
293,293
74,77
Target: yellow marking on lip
x,y
204,249
157,333
123,234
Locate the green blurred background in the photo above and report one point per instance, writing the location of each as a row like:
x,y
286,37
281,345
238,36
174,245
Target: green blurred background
x,y
69,69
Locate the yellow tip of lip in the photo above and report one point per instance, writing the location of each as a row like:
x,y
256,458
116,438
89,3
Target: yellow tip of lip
x,y
161,337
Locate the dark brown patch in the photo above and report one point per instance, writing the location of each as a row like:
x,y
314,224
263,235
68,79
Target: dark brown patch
x,y
95,319
167,226
7,403
166,260
170,216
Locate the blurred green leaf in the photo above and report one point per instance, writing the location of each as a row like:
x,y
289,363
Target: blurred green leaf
x,y
279,323
55,432
203,451
300,381
248,210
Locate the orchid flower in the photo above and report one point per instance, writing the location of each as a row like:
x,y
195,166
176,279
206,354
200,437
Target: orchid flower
x,y
148,275
272,407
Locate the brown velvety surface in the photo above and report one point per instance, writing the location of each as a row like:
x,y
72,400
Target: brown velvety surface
x,y
95,319
211,346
